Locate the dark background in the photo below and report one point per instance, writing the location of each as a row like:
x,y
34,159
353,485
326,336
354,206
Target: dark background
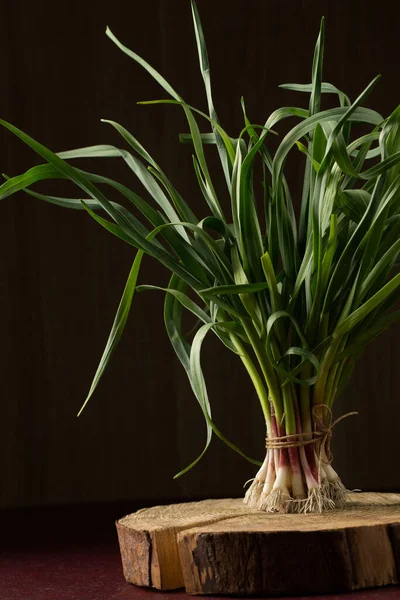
x,y
62,275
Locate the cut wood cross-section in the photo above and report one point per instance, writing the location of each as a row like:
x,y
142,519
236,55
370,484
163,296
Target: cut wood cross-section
x,y
223,547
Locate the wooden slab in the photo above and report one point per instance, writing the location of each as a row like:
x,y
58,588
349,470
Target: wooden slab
x,y
148,538
223,547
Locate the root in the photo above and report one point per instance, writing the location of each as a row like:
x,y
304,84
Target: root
x,y
253,493
326,488
277,501
328,496
337,493
317,502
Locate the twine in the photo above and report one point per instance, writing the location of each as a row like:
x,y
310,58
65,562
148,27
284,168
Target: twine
x,y
322,434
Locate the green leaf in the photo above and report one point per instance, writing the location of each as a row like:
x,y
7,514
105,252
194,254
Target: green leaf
x,y
335,114
223,136
244,210
247,288
383,265
194,130
358,315
172,320
198,383
112,227
353,203
205,71
206,138
315,98
304,352
271,282
248,300
202,316
316,165
20,182
84,182
118,326
190,359
184,211
159,78
326,88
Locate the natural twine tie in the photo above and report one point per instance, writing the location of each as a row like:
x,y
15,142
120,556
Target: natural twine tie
x,y
321,435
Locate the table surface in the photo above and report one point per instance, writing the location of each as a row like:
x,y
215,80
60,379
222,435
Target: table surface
x,y
71,553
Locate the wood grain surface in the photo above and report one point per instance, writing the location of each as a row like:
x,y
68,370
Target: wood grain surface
x,y
149,538
222,547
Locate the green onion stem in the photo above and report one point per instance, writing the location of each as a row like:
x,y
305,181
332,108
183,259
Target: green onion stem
x,y
330,384
266,367
336,384
326,364
288,407
305,401
255,378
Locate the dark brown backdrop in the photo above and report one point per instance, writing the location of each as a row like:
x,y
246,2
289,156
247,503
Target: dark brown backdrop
x,y
62,275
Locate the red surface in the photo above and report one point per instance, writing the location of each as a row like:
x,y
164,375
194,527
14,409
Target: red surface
x,y
72,554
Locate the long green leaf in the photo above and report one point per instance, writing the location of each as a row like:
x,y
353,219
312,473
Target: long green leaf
x,y
118,325
200,387
358,315
205,71
246,288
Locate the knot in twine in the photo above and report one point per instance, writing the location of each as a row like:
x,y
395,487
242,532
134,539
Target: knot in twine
x,y
321,435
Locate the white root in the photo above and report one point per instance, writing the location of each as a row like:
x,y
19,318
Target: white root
x,y
277,498
277,501
326,496
333,485
270,478
253,493
317,502
338,493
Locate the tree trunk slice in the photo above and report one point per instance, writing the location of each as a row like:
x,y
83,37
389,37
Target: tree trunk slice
x,y
223,547
148,538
